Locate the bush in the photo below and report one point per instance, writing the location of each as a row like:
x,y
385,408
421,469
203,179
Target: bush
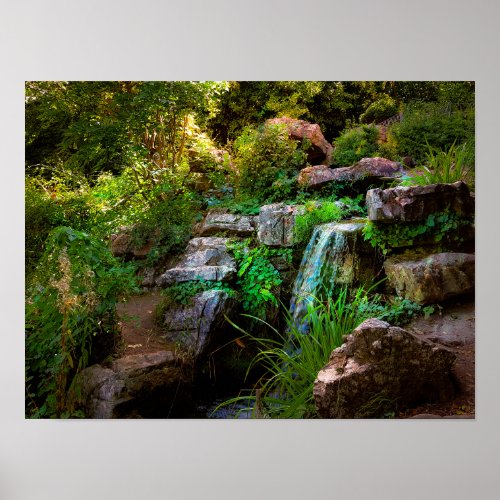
x,y
70,317
316,213
42,214
436,125
354,144
379,110
266,162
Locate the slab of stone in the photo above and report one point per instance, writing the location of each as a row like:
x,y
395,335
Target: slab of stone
x,y
231,224
276,224
416,203
134,386
378,367
196,326
369,169
204,259
433,278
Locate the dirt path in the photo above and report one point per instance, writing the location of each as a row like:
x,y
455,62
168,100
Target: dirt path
x,y
140,334
454,328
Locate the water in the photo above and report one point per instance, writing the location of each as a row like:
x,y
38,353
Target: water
x,y
327,260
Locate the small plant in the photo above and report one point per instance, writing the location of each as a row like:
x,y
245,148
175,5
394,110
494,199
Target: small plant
x,y
70,316
443,226
182,293
257,279
316,213
446,166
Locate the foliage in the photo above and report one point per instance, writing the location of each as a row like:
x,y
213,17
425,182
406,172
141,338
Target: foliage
x,y
380,110
315,213
455,164
182,293
293,361
266,161
440,227
354,144
257,277
434,124
397,311
70,308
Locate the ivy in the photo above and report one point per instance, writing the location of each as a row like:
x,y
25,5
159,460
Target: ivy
x,y
442,226
257,277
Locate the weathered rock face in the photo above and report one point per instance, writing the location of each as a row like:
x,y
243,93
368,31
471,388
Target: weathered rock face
x,y
369,169
122,245
379,366
197,325
276,222
433,278
416,203
204,259
140,385
320,151
231,224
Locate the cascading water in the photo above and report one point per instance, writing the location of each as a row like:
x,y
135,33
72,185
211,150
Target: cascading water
x,y
327,260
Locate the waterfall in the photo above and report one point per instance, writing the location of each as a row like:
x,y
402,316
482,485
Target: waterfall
x,y
328,259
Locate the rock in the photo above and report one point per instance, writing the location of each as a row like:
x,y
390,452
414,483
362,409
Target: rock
x,y
204,259
122,245
432,279
379,367
316,176
416,203
231,224
367,169
321,150
197,325
276,223
140,385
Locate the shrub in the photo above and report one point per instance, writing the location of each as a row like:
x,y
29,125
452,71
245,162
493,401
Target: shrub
x,y
354,144
42,214
70,316
380,110
316,213
266,162
436,125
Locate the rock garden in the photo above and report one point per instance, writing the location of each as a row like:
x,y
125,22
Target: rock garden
x,y
187,257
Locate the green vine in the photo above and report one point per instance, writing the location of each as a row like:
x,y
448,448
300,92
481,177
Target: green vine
x,y
443,226
257,277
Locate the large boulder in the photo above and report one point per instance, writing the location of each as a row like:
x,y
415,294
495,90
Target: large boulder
x,y
204,259
198,325
320,151
380,367
139,385
218,221
276,224
433,278
367,169
416,203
